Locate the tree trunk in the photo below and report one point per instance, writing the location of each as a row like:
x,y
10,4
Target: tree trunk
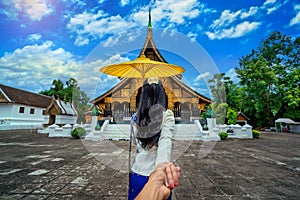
x,y
281,111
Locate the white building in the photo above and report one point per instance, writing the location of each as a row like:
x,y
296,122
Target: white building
x,y
21,109
60,112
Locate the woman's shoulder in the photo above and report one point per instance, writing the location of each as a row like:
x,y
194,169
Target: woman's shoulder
x,y
168,112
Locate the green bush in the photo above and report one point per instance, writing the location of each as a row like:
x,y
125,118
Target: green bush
x,y
78,132
255,134
223,135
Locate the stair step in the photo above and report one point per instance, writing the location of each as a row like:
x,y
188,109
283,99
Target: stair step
x,y
181,132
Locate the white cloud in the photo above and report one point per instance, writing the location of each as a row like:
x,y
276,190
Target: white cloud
x,y
271,6
39,61
234,32
88,26
124,2
33,9
34,67
117,58
192,35
34,37
81,40
91,26
173,11
177,11
272,9
232,24
204,76
252,11
95,83
267,2
296,19
244,28
226,19
37,65
78,2
233,75
236,24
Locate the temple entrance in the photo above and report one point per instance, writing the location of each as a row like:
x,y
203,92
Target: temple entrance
x,y
51,119
185,112
177,109
120,111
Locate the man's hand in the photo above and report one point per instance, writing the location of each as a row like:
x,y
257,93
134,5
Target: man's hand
x,y
161,181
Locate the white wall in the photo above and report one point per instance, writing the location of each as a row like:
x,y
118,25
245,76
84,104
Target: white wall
x,y
5,111
10,118
65,119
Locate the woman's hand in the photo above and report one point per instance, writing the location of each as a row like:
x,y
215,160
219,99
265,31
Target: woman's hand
x,y
172,174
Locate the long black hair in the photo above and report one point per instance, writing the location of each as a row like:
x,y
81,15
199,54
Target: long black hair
x,y
149,115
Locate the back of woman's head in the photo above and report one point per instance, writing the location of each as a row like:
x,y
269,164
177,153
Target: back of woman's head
x,y
150,112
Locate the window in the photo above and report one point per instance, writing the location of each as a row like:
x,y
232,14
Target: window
x,y
22,109
31,110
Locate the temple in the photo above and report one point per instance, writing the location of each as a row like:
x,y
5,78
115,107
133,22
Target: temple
x,y
120,102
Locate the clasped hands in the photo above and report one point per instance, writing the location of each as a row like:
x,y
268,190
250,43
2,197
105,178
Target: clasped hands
x,y
161,181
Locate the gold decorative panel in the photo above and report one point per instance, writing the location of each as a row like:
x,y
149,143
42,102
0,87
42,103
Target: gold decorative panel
x,y
125,92
108,99
177,92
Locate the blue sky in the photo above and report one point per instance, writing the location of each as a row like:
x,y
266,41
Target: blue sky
x,y
43,40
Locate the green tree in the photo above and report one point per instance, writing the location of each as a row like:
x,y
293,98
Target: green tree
x,y
221,110
227,98
219,106
79,98
71,93
56,90
217,88
231,116
233,94
270,78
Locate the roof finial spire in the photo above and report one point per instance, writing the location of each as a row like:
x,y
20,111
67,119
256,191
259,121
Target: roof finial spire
x,y
149,21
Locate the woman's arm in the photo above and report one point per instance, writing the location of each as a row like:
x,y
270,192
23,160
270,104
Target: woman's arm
x,y
165,141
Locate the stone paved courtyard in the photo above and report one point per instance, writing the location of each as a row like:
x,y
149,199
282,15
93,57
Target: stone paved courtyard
x,y
34,166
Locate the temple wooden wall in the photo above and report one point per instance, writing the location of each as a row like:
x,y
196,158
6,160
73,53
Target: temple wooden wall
x,y
121,103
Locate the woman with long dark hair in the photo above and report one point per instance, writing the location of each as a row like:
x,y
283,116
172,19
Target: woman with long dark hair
x,y
151,131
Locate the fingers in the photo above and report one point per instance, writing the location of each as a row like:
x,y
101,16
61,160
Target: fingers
x,y
176,182
172,174
162,169
166,182
175,175
169,175
165,192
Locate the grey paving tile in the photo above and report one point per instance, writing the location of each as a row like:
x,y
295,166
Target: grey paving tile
x,y
266,168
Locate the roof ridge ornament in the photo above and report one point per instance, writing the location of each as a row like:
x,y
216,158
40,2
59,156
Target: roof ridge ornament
x,y
149,20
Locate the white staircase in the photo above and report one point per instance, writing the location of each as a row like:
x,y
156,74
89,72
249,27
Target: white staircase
x,y
186,132
181,132
116,132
